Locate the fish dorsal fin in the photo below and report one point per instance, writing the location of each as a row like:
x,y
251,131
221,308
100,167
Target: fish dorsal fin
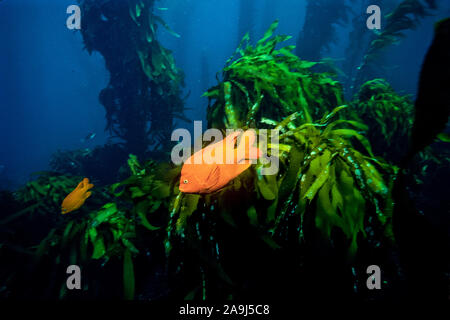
x,y
246,149
80,185
230,140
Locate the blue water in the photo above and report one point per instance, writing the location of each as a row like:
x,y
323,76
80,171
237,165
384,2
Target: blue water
x,y
49,85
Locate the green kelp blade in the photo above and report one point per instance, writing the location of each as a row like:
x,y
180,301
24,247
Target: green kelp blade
x,y
268,121
267,186
105,214
252,215
133,15
445,137
356,124
352,133
128,276
213,94
245,40
268,33
166,26
318,183
65,237
230,110
282,125
330,115
188,206
142,208
98,244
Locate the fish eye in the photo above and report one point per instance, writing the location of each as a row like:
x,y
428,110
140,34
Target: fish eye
x,y
185,181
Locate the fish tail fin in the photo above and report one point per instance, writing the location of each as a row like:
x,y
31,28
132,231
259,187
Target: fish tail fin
x,y
85,184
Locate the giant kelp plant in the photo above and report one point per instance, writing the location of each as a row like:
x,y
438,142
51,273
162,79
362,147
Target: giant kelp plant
x,y
273,83
388,115
324,184
405,16
143,95
319,28
307,231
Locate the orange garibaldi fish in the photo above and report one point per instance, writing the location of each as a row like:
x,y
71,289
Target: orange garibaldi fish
x,y
76,198
214,166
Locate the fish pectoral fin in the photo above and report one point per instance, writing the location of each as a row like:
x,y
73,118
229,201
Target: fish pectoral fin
x,y
87,195
213,176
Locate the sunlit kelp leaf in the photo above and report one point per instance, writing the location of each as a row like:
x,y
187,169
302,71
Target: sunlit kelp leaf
x,y
103,215
188,206
278,75
353,133
268,33
320,180
267,186
338,199
136,192
230,111
98,244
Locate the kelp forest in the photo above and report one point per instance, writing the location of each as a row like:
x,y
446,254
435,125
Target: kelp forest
x,y
361,178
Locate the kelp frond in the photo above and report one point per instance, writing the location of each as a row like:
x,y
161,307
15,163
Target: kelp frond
x,y
270,82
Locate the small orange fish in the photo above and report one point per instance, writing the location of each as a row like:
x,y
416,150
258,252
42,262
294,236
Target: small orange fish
x,y
76,198
212,170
